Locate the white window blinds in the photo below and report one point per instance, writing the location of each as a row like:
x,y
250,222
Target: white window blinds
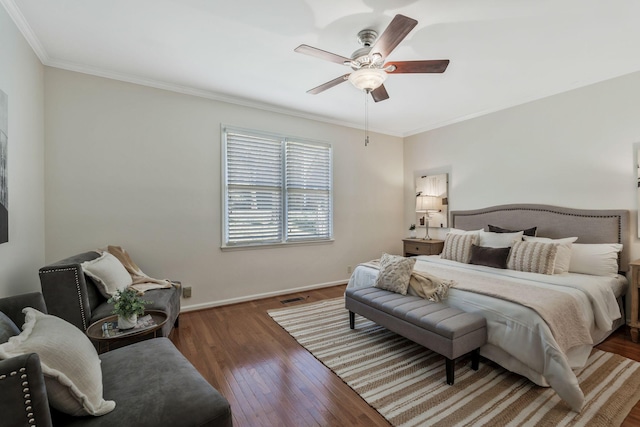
x,y
308,191
276,190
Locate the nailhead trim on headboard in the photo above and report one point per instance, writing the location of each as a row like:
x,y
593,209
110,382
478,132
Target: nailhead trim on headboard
x,y
616,219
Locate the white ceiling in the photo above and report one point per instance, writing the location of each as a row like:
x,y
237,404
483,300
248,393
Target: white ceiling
x,y
503,52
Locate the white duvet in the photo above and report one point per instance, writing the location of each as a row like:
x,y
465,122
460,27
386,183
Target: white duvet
x,y
518,338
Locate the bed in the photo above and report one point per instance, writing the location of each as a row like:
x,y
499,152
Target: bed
x,y
520,337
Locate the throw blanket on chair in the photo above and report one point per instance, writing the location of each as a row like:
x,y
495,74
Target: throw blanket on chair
x,y
141,282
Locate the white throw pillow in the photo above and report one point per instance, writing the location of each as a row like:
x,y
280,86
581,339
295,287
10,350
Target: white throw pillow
x,y
499,240
598,259
563,258
70,364
459,231
108,273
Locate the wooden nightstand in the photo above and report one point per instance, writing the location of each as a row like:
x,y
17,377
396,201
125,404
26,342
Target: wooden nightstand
x,y
424,247
635,289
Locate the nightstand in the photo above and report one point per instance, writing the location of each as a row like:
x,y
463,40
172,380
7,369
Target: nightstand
x,y
635,289
424,247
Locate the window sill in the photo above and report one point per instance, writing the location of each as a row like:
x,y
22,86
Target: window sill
x,y
275,245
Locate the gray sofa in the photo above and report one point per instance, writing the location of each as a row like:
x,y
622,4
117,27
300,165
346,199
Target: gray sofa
x,y
152,383
73,296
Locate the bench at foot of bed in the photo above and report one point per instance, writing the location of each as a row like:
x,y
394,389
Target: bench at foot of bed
x,y
436,326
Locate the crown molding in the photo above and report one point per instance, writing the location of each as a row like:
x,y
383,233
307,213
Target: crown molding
x,y
18,18
26,30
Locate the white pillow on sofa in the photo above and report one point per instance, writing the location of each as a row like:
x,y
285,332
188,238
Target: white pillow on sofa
x,y
108,273
597,259
70,364
563,257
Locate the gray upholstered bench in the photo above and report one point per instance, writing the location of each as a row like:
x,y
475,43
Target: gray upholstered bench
x,y
436,326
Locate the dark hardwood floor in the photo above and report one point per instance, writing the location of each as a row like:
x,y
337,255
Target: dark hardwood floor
x,y
270,380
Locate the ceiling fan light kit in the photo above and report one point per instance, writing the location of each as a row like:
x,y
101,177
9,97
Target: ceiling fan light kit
x,y
368,79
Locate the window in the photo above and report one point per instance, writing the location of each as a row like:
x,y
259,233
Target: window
x,y
276,189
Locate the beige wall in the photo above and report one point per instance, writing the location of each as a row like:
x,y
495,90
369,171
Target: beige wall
x,y
576,149
21,78
140,167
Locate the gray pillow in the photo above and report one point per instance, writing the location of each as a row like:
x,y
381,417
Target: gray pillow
x,y
8,329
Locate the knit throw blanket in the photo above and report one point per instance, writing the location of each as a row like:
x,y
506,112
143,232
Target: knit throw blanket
x,y
141,282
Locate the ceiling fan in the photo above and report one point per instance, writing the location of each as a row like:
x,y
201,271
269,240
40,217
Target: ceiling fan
x,y
369,69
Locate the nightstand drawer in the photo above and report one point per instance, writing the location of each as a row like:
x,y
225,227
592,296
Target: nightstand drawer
x,y
414,247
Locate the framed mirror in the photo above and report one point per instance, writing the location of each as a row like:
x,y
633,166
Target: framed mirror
x,y
432,201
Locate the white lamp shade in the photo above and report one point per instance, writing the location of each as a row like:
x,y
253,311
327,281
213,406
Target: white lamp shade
x,y
427,204
368,79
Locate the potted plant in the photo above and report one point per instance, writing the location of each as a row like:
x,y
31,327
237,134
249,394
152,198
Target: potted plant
x,y
412,231
128,305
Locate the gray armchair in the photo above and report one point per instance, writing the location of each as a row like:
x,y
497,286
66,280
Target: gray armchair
x,y
73,296
152,383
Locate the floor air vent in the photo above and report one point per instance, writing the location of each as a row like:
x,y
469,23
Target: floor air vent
x,y
290,300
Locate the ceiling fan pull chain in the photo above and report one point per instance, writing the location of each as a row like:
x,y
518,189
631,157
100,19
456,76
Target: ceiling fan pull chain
x,y
366,118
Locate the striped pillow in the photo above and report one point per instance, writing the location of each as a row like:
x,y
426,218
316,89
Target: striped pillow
x,y
533,257
457,247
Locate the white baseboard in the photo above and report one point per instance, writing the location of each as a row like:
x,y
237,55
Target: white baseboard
x,y
193,307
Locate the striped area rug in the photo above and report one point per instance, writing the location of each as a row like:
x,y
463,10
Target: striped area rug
x,y
406,384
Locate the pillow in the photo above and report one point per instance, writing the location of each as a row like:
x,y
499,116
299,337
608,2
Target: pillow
x,y
8,329
595,259
533,257
528,232
395,272
563,258
457,247
459,231
499,240
69,361
108,273
490,257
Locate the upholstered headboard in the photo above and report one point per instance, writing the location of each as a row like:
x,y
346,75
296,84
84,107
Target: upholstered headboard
x,y
589,225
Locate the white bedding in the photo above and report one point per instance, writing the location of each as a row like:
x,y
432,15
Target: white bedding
x,y
518,338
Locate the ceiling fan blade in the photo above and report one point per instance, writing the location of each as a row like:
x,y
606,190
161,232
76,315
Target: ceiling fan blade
x,y
429,66
328,85
397,30
322,54
379,94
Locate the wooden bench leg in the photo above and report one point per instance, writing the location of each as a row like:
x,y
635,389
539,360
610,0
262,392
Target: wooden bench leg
x,y
352,319
450,366
475,359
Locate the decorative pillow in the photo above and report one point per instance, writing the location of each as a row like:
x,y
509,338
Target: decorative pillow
x,y
563,258
70,364
395,272
595,259
528,232
490,257
533,257
499,240
108,273
8,329
457,247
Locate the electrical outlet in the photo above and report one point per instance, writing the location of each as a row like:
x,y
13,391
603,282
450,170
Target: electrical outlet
x,y
186,292
349,269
